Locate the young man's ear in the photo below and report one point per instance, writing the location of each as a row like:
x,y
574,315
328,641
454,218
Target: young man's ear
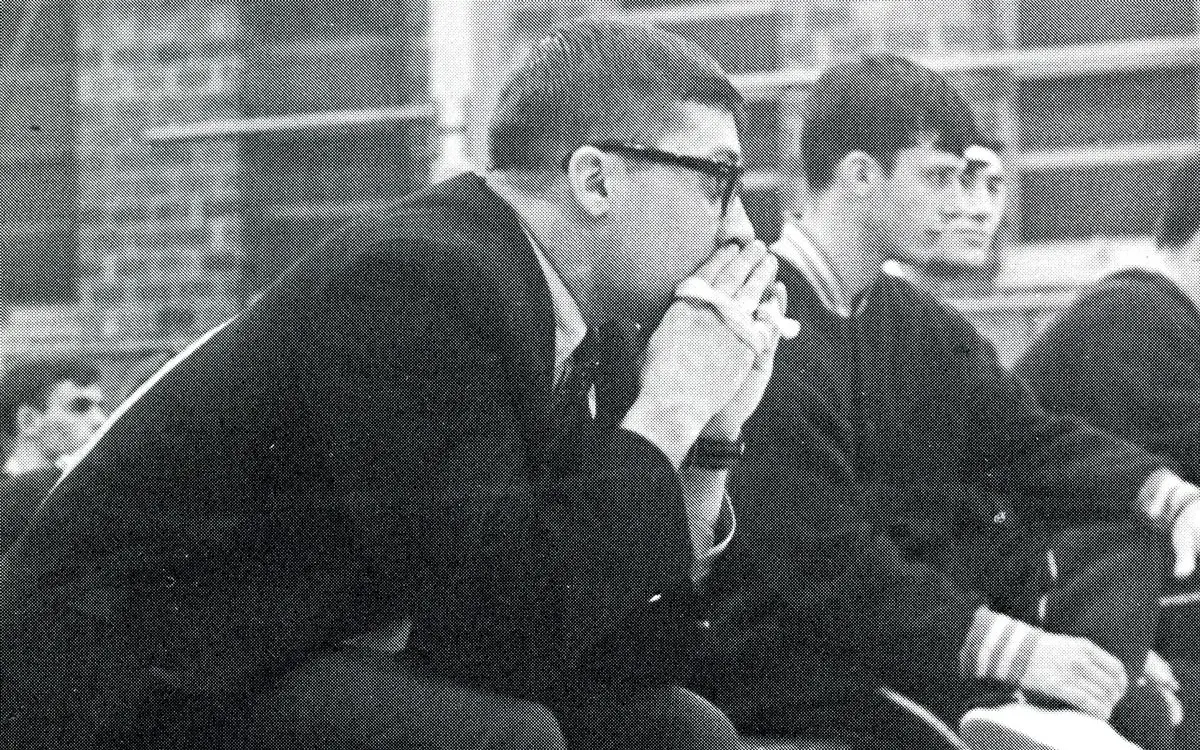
x,y
29,420
857,172
588,177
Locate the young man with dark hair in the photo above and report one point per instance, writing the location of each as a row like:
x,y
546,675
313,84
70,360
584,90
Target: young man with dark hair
x,y
959,265
495,424
1125,356
52,406
904,478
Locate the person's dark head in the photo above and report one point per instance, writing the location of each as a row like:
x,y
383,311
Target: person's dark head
x,y
594,122
1180,216
51,406
885,136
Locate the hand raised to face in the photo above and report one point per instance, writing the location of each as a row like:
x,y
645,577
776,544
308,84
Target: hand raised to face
x,y
697,365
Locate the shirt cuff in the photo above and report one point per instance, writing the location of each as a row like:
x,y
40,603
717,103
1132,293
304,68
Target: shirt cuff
x,y
720,536
998,648
1163,496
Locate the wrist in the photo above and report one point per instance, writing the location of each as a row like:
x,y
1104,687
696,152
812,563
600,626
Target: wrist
x,y
998,648
670,433
714,455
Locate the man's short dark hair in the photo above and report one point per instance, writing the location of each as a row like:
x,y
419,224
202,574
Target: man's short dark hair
x,y
30,380
600,81
1180,207
880,105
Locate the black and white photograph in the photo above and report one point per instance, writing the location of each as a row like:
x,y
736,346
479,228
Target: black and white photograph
x,y
600,375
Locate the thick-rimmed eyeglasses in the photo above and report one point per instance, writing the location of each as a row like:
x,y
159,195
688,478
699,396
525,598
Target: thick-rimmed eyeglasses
x,y
726,174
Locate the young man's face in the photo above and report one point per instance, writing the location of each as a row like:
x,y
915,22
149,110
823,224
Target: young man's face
x,y
914,206
73,413
983,197
669,218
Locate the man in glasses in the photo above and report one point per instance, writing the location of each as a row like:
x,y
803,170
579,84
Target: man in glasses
x,y
51,407
905,480
456,479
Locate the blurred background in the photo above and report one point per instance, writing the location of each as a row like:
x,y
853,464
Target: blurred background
x,y
161,160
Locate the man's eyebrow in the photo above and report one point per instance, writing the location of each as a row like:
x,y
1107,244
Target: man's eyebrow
x,y
725,154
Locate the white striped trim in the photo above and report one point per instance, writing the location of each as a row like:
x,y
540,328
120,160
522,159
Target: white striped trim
x,y
991,642
128,403
1012,647
795,247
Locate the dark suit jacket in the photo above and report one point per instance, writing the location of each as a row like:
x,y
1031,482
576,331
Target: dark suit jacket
x,y
20,496
1125,357
881,443
371,439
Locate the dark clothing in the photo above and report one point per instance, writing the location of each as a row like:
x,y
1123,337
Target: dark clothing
x,y
1125,358
20,496
370,440
891,451
387,700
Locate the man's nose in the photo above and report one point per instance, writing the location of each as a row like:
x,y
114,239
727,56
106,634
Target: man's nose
x,y
735,225
955,203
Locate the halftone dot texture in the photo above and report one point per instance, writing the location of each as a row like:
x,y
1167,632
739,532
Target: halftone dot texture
x,y
157,240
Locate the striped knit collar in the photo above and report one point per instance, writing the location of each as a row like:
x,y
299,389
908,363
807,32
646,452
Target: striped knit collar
x,y
797,248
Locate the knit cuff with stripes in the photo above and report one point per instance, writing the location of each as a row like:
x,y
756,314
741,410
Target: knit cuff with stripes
x,y
998,648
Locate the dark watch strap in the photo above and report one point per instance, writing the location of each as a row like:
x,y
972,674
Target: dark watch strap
x,y
718,455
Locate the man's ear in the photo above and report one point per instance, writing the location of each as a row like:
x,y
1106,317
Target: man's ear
x,y
857,172
588,177
29,420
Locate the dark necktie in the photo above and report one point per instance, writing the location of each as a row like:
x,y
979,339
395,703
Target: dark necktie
x,y
608,360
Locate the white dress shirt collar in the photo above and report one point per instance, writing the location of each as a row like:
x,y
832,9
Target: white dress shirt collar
x,y
569,325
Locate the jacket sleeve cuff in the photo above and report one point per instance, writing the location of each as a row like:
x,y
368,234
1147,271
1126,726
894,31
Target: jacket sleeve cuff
x,y
998,648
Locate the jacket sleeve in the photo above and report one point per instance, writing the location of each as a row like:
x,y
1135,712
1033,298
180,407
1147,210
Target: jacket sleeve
x,y
1123,362
1017,447
521,577
813,580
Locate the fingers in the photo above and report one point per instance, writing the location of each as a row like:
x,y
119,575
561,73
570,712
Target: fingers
x,y
747,274
778,295
1079,672
717,263
1089,701
1110,673
1159,672
750,294
1080,689
1183,539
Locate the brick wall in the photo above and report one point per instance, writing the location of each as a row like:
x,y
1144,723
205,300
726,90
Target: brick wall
x,y
159,250
120,226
